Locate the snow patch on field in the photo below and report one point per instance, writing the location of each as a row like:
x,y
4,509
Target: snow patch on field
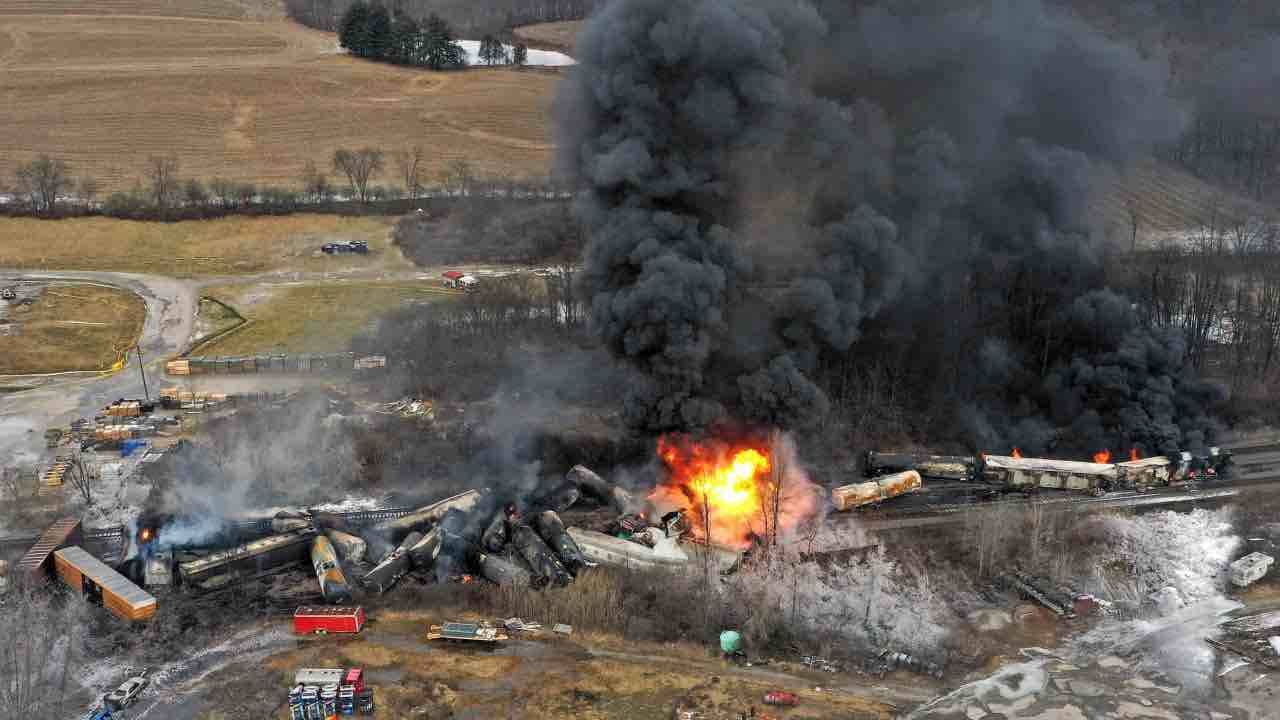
x,y
545,58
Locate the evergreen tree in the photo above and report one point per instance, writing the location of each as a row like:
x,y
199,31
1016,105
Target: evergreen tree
x,y
379,32
439,48
353,30
520,54
405,40
492,51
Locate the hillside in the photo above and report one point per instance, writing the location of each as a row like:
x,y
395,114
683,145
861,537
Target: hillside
x,y
1167,200
104,84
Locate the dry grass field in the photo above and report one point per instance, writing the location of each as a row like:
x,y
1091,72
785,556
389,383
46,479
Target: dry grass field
x,y
310,317
1168,201
552,35
226,246
236,92
74,326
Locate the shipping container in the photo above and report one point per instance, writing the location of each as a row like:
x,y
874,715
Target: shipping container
x,y
321,620
100,584
35,565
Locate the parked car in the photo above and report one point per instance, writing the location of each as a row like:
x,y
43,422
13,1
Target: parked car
x,y
128,692
351,246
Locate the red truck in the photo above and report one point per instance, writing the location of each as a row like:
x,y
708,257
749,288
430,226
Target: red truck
x,y
320,620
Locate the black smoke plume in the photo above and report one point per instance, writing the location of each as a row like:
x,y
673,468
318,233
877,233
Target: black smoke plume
x,y
767,182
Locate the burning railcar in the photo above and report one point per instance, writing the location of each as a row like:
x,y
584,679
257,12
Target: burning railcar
x,y
1040,473
249,559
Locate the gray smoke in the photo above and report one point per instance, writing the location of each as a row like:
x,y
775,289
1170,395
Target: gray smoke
x,y
764,180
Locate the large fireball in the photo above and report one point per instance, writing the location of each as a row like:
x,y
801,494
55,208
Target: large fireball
x,y
736,488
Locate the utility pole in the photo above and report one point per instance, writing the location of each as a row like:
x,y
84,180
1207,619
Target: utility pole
x,y
142,371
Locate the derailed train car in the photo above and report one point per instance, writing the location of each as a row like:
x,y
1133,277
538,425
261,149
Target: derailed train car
x,y
948,467
247,560
333,583
1030,474
1147,473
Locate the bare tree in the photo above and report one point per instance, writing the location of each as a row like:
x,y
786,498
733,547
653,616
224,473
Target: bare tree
x,y
162,172
41,180
315,184
359,166
79,478
458,177
39,645
1135,220
224,190
410,162
10,483
88,189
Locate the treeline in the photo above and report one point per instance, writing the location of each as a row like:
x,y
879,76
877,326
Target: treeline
x,y
375,33
1219,288
473,18
348,183
1238,149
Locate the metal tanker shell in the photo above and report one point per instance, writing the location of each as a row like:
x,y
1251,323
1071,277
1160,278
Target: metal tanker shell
x,y
333,583
848,497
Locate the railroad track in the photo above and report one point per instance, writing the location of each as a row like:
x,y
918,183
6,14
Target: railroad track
x,y
927,517
105,539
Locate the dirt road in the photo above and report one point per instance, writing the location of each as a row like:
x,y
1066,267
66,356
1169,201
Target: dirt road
x,y
59,398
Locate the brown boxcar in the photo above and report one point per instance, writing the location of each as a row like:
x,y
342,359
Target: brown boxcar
x,y
34,566
88,575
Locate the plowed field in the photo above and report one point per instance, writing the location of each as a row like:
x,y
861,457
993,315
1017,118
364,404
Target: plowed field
x,y
235,91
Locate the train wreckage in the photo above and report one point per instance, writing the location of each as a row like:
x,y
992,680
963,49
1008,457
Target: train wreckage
x,y
472,534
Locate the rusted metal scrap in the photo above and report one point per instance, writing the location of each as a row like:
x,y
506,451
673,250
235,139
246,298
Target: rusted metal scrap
x,y
388,572
546,568
1040,591
551,529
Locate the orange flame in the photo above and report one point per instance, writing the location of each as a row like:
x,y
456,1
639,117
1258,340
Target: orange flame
x,y
1134,454
1102,457
145,535
1017,453
731,485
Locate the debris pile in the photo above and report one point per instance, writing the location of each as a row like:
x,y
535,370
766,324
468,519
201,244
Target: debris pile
x,y
1255,638
408,408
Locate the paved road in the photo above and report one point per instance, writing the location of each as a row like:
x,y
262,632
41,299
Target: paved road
x,y
58,399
